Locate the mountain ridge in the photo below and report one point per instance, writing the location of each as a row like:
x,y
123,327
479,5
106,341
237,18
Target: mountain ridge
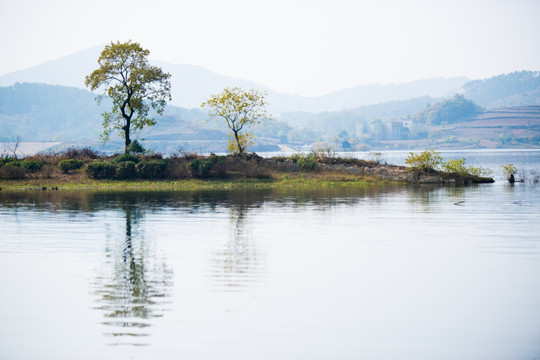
x,y
193,84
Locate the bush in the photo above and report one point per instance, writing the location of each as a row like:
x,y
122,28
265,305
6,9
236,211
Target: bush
x,y
509,169
456,166
70,164
31,166
428,160
13,164
152,169
459,167
126,157
100,170
200,168
177,168
5,161
126,170
479,171
304,161
80,153
135,147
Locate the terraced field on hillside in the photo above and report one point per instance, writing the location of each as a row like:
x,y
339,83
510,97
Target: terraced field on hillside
x,y
515,126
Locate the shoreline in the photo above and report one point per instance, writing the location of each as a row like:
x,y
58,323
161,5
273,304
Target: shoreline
x,y
234,172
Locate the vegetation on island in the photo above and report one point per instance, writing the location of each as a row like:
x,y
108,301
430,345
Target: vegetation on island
x,y
513,174
85,167
431,160
240,109
133,86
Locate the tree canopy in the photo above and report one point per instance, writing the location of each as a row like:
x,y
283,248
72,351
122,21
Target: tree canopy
x,y
449,111
240,109
133,85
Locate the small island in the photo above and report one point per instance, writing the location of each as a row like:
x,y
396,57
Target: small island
x,y
84,168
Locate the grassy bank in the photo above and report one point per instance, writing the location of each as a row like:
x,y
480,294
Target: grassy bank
x,y
297,180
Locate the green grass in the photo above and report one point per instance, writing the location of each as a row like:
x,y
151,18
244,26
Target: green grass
x,y
187,184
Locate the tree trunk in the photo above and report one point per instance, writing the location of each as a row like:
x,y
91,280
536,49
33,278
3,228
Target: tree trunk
x,y
511,179
127,117
240,149
126,136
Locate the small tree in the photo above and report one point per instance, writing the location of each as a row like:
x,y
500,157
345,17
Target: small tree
x,y
240,109
508,172
133,86
428,160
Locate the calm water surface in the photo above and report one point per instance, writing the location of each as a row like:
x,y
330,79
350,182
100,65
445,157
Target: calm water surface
x,y
336,273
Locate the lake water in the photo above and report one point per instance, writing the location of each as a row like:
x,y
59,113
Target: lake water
x,y
377,272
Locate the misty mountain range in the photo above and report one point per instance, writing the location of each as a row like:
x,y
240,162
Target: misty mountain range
x,y
191,85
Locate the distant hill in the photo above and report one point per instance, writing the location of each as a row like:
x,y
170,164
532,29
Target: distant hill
x,y
514,89
347,119
40,112
506,127
191,85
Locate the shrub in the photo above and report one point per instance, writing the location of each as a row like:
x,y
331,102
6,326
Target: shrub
x,y
508,169
456,166
459,167
126,170
126,157
80,153
306,163
31,166
152,169
177,168
479,171
13,164
428,160
213,159
100,170
221,165
70,164
5,161
200,168
135,147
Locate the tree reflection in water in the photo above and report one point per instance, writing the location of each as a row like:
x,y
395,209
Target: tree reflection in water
x,y
239,263
133,285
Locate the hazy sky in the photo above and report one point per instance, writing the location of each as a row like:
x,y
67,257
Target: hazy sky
x,y
303,47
